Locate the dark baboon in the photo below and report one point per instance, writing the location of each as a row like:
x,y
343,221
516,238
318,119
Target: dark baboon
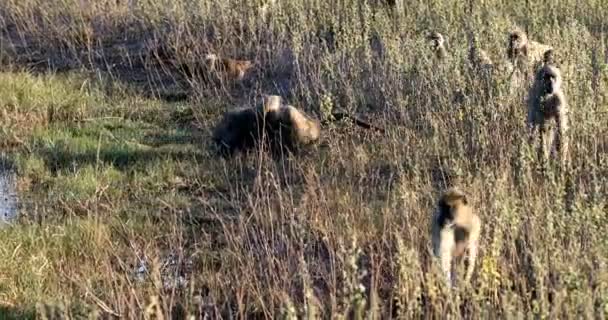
x,y
438,45
455,229
547,102
549,57
281,127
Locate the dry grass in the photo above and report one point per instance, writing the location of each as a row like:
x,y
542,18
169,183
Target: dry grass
x,y
126,212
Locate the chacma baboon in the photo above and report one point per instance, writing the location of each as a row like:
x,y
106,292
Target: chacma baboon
x,y
478,58
438,45
394,4
231,69
521,50
280,127
546,102
266,8
549,57
455,229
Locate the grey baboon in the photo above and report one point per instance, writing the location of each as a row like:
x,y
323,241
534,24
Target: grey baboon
x,y
455,229
547,102
280,127
438,45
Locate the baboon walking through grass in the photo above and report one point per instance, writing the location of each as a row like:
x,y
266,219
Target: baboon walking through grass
x,y
547,102
455,229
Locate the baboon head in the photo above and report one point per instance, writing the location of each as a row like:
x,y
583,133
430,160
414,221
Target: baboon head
x,y
549,57
437,40
453,198
518,44
551,79
305,130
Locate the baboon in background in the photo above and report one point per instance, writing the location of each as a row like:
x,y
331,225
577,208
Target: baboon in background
x,y
524,56
395,4
546,102
231,69
438,45
281,127
521,50
266,8
478,58
455,229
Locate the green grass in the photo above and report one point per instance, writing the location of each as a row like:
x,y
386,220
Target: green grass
x,y
115,168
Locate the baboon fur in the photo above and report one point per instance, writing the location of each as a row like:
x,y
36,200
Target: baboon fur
x,y
546,102
455,229
521,50
478,57
438,45
282,128
231,69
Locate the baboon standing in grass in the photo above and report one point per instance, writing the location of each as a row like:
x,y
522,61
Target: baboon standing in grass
x,y
524,56
478,57
438,45
523,52
547,102
455,229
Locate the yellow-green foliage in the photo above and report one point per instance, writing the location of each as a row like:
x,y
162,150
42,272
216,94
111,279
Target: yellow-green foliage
x,y
120,194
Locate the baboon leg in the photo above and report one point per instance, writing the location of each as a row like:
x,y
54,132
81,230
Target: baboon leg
x,y
446,249
472,251
532,124
561,139
545,138
532,133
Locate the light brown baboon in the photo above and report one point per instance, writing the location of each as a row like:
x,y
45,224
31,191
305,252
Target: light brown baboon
x,y
281,127
438,45
547,102
521,50
478,58
266,8
230,69
455,229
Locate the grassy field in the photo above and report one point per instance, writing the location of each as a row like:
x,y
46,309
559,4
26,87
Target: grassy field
x,y
126,212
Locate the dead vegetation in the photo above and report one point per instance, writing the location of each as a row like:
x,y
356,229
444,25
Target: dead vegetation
x,y
127,212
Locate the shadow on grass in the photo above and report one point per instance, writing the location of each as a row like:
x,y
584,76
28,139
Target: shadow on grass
x,y
159,139
11,313
122,159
